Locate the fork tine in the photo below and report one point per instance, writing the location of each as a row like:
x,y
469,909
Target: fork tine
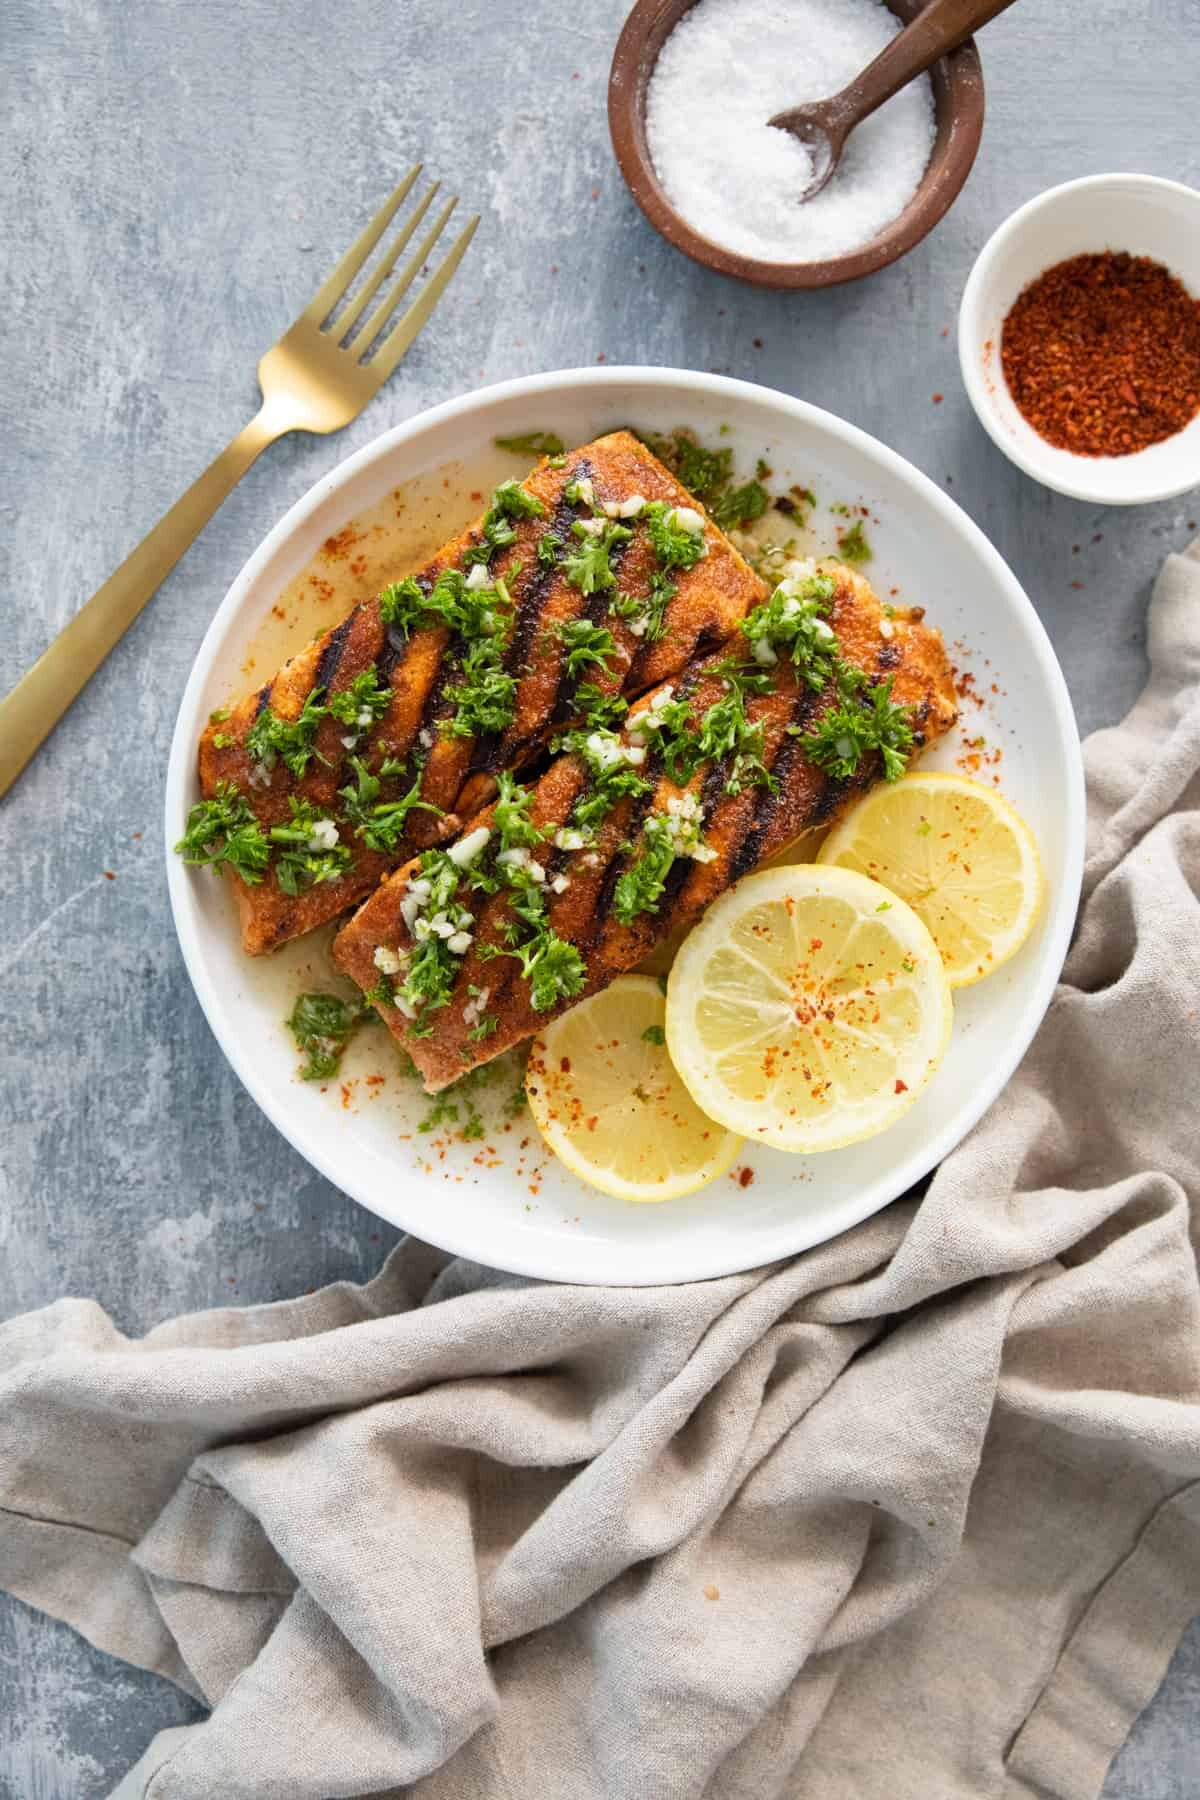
x,y
367,333
342,325
331,291
405,330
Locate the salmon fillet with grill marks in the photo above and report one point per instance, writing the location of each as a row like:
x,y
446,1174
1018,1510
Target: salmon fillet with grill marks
x,y
457,773
742,829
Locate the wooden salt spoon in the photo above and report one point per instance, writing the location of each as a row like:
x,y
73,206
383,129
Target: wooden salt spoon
x,y
824,125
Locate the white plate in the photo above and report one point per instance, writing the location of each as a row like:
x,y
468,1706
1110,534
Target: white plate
x,y
505,1206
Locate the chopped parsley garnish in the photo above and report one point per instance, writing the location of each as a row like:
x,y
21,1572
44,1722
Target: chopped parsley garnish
x,y
793,622
859,724
431,968
670,724
741,506
532,443
705,472
553,968
640,888
587,565
515,1105
381,823
307,849
219,715
485,698
271,739
587,644
510,816
579,491
444,1111
654,1034
364,702
510,502
548,547
483,1028
598,710
709,475
724,733
612,779
853,546
405,605
221,740
646,614
607,788
225,830
322,1025
674,544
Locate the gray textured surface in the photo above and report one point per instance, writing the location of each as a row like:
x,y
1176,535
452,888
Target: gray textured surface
x,y
174,180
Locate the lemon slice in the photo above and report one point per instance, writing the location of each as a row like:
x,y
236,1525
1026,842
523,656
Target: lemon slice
x,y
961,858
610,1105
808,1008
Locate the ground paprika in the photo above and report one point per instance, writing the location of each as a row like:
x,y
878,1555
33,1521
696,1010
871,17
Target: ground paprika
x,y
1102,354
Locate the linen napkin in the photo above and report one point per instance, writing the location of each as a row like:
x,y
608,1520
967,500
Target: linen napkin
x,y
914,1515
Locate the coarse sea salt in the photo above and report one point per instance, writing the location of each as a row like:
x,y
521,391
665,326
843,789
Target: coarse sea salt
x,y
727,67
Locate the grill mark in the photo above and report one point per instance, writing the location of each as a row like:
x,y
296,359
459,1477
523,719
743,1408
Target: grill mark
x,y
388,656
595,607
533,594
677,874
389,653
263,698
889,658
836,788
531,603
765,808
433,697
331,655
621,859
709,637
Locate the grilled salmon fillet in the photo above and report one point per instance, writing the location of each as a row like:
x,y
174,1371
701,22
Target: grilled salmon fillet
x,y
748,802
416,673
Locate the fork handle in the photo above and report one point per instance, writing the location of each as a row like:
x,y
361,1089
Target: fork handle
x,y
29,714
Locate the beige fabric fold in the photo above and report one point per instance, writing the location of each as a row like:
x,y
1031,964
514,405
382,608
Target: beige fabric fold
x,y
915,1515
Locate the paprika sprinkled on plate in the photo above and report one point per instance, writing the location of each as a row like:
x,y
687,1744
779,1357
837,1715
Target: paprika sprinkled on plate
x,y
1102,354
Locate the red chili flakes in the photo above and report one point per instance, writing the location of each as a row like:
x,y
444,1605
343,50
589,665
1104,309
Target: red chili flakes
x,y
1102,354
109,876
744,1177
901,1086
338,547
564,1063
938,398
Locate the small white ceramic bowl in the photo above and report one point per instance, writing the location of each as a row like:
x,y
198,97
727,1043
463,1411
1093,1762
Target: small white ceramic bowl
x,y
1138,213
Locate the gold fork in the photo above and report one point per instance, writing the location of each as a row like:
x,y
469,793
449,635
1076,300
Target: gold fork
x,y
313,379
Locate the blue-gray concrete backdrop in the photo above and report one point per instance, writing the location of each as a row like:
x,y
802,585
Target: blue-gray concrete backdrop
x,y
174,180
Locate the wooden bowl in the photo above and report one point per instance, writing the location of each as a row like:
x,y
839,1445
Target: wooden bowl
x,y
958,101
